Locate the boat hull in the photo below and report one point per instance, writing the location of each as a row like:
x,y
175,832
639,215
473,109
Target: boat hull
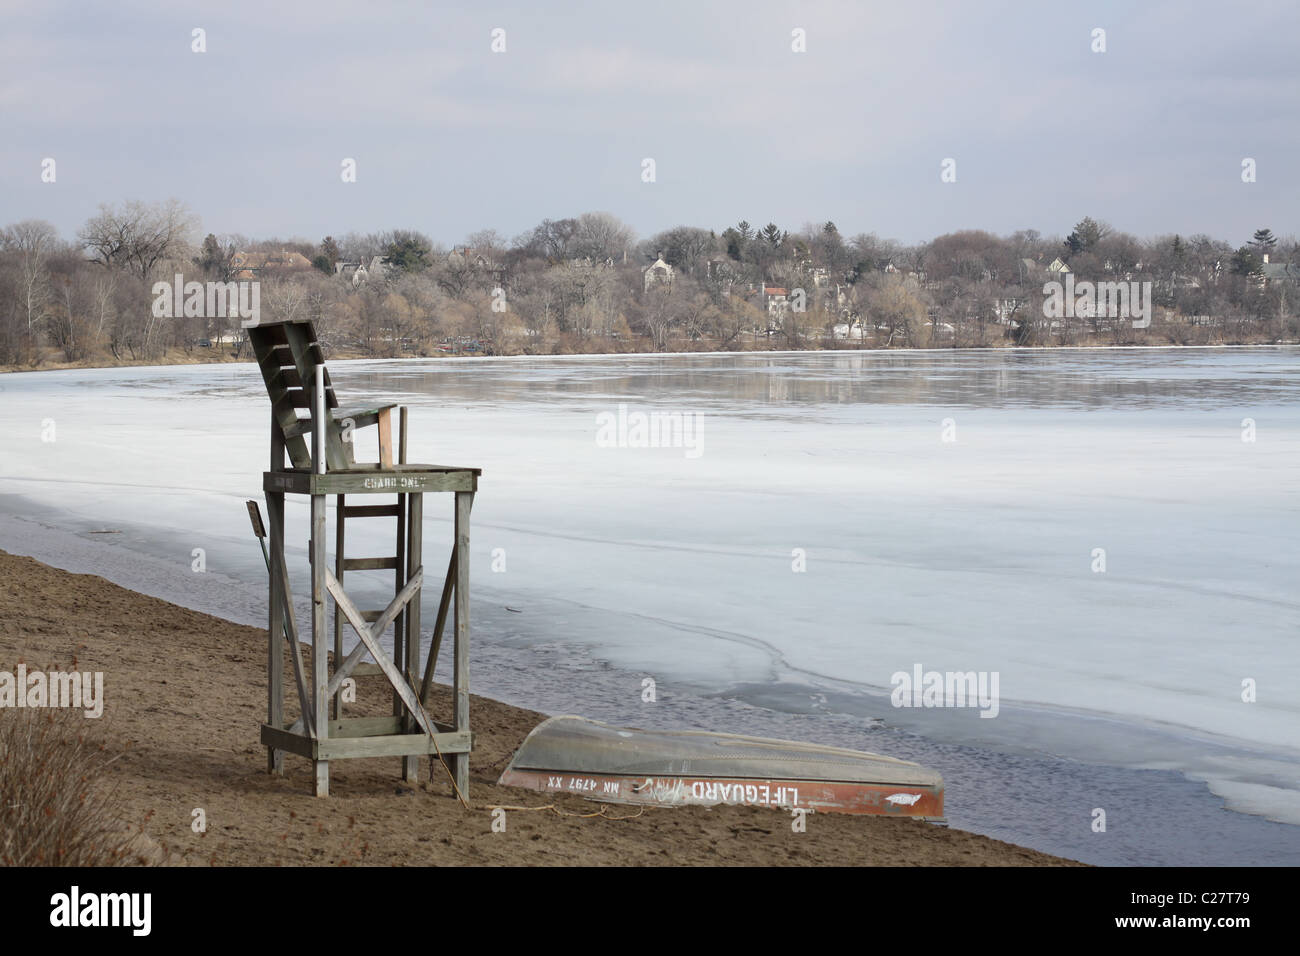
x,y
687,768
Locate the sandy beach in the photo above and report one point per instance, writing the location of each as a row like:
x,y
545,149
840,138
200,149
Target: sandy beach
x,y
184,694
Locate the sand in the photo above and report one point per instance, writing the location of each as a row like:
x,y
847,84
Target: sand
x,y
185,694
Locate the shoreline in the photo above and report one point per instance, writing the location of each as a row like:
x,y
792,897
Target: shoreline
x,y
184,693
940,350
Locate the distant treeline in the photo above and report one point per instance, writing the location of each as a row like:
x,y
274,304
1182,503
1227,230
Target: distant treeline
x,y
587,284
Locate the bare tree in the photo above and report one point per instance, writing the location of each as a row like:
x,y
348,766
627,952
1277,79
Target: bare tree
x,y
896,306
138,236
551,239
601,236
33,241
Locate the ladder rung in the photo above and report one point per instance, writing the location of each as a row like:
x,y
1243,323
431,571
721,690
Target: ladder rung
x,y
276,357
286,377
369,564
371,511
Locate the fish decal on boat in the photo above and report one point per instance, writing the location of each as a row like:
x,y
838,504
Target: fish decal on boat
x,y
906,799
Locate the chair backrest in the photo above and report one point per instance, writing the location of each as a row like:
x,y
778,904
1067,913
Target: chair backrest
x,y
288,355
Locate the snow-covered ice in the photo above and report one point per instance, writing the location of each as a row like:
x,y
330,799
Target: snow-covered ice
x,y
975,553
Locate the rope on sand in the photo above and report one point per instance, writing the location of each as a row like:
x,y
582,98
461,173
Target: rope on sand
x,y
441,759
561,813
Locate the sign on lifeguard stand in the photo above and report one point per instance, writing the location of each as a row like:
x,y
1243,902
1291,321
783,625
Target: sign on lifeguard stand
x,y
304,406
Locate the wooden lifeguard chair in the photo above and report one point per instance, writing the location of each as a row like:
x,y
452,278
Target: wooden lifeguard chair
x,y
304,406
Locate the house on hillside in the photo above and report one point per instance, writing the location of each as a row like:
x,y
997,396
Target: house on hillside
x,y
1042,270
915,275
776,300
1278,272
262,265
657,273
358,273
478,262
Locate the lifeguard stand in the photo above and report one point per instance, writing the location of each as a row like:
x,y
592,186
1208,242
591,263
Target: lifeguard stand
x,y
304,406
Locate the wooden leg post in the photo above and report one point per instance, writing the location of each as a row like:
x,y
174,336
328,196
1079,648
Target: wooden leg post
x,y
464,502
275,635
319,647
340,549
411,617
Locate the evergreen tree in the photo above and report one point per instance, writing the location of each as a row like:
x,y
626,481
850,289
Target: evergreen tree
x,y
408,251
330,250
1087,233
1246,263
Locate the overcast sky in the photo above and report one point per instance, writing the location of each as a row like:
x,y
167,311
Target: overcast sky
x,y
450,138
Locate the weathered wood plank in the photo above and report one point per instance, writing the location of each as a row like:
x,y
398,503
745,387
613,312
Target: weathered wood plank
x,y
405,724
368,726
460,679
360,481
340,545
320,660
280,573
372,511
363,417
456,744
377,652
369,564
364,727
385,423
401,441
285,740
275,633
375,630
435,643
410,624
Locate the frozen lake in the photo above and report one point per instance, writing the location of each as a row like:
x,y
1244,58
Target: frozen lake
x,y
1111,533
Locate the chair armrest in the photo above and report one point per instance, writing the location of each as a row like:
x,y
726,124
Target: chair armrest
x,y
361,417
381,416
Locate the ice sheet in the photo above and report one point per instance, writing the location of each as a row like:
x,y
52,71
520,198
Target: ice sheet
x,y
975,554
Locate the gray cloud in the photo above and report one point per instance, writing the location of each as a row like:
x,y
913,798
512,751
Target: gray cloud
x,y
451,138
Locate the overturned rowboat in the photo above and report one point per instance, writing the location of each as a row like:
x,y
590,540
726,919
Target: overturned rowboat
x,y
683,767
